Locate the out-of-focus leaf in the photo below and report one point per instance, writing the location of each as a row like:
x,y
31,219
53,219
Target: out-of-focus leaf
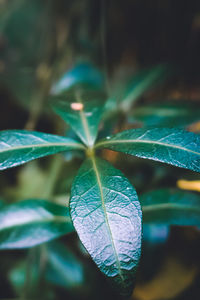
x,y
177,113
169,145
16,23
20,146
32,222
83,117
18,275
171,207
22,84
144,80
63,268
155,233
26,42
107,216
81,74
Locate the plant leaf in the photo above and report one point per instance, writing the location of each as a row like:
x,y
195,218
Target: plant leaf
x,y
171,207
19,146
63,267
83,73
32,222
144,80
84,118
169,145
107,216
176,113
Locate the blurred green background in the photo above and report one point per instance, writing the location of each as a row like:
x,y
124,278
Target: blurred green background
x,y
40,40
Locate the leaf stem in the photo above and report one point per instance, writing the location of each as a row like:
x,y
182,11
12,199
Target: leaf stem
x,y
90,152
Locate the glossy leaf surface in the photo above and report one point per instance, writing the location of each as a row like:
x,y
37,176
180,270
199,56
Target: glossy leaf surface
x,y
107,216
176,113
19,146
171,207
32,222
173,146
83,73
84,118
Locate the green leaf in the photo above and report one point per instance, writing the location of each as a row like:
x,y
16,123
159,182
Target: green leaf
x,y
107,216
177,113
32,222
171,207
83,117
63,267
18,275
81,74
144,80
19,146
169,145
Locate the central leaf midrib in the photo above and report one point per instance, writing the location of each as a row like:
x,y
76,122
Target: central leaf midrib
x,y
163,206
163,112
59,219
104,143
135,91
85,127
80,146
106,218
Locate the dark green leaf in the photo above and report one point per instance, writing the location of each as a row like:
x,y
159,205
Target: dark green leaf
x,y
19,146
107,216
172,207
177,113
83,73
84,118
173,146
32,222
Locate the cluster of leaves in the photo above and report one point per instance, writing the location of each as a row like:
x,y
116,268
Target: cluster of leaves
x,y
104,206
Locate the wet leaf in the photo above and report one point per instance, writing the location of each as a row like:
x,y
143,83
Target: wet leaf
x,y
107,216
20,146
83,117
169,145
